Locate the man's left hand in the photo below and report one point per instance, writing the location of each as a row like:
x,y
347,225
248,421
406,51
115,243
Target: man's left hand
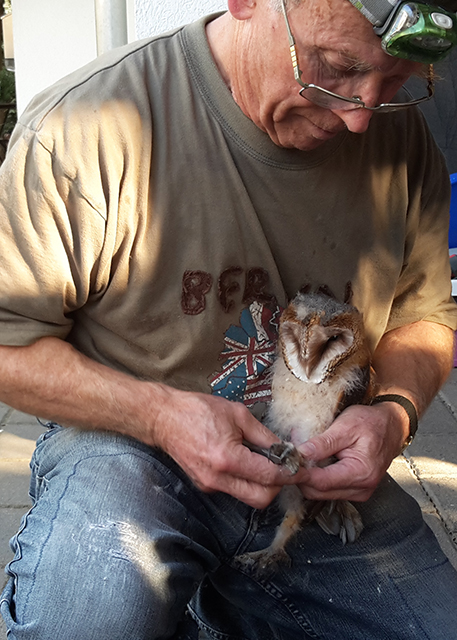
x,y
364,440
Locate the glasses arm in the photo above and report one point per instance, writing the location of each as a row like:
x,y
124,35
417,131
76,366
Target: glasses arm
x,y
293,51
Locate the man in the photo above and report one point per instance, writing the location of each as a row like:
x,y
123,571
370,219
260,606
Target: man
x,y
159,208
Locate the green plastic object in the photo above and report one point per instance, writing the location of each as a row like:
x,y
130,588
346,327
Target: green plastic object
x,y
420,32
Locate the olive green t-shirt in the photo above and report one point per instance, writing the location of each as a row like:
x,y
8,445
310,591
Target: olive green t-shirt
x,y
145,219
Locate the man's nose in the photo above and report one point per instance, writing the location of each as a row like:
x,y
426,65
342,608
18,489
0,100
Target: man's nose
x,y
370,91
356,120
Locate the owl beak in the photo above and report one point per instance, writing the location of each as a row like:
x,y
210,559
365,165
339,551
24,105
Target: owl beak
x,y
310,364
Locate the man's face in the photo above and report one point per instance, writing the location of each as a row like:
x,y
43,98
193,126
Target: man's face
x,y
337,49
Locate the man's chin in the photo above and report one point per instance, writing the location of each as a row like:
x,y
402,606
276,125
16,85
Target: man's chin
x,y
307,140
306,144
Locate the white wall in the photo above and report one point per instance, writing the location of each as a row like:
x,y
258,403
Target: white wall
x,y
155,16
51,38
54,37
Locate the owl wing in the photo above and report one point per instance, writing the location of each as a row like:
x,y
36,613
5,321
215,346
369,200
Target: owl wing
x,y
360,392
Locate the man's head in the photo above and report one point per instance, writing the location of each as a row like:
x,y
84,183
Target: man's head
x,y
335,45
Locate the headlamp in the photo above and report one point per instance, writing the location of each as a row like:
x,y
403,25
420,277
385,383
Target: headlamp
x,y
412,30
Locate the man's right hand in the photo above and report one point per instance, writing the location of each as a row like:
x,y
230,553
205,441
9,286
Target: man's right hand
x,y
204,435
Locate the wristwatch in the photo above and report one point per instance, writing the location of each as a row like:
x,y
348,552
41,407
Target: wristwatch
x,y
408,407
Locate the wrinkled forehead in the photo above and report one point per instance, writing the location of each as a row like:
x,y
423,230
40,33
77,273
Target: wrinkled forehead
x,y
336,25
339,17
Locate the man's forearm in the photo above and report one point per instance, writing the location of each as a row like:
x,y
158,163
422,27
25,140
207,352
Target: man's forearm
x,y
52,380
414,361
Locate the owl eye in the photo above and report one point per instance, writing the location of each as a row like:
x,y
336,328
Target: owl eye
x,y
325,342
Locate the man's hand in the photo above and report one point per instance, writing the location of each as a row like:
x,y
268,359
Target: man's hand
x,y
204,434
364,440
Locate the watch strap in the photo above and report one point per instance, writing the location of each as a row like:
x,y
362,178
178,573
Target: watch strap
x,y
407,406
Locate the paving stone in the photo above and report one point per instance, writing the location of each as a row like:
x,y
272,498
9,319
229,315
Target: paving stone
x,y
401,472
448,393
13,446
424,493
29,430
3,581
438,419
2,628
449,389
11,519
5,411
432,464
19,418
14,483
435,450
443,493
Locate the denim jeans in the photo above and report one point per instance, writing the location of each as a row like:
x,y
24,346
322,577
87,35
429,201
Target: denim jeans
x,y
119,544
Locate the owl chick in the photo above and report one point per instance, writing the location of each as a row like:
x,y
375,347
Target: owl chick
x,y
322,367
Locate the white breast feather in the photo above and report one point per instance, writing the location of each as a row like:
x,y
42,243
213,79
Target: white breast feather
x,y
301,410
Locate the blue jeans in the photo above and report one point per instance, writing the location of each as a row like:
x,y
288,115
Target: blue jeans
x,y
120,545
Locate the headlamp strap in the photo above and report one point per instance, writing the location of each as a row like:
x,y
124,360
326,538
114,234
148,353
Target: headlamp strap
x,y
376,11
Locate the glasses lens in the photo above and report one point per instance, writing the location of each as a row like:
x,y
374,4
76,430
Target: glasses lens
x,y
321,98
404,98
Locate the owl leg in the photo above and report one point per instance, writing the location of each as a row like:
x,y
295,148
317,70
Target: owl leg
x,y
265,559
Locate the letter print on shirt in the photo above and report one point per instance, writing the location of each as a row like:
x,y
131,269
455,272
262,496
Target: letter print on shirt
x,y
248,354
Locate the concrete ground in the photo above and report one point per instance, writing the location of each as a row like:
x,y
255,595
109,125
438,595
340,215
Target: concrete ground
x,y
427,470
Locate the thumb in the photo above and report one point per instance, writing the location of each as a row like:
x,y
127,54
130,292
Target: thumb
x,y
325,445
256,433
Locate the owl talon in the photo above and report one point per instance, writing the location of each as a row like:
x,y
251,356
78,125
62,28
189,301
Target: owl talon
x,y
287,455
264,561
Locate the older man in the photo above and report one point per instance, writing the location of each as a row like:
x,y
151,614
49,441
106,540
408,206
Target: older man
x,y
158,209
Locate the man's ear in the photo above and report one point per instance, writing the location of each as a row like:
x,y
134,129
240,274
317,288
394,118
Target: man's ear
x,y
241,9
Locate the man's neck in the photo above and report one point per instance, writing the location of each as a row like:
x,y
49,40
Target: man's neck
x,y
219,34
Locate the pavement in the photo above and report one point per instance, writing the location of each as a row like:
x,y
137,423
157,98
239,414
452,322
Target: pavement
x,y
427,470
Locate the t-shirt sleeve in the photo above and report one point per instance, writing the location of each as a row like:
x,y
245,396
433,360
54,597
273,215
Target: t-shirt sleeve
x,y
50,241
423,291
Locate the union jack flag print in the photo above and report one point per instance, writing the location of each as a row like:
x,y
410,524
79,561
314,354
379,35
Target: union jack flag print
x,y
248,354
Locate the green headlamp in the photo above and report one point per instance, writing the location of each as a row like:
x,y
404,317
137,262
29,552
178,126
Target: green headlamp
x,y
411,30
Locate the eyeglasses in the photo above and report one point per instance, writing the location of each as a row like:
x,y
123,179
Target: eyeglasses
x,y
329,100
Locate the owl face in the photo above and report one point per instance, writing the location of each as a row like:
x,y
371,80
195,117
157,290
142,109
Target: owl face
x,y
317,335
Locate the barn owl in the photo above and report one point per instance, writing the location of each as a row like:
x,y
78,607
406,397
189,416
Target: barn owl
x,y
323,365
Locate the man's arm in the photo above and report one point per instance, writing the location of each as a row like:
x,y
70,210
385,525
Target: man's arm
x,y
202,433
413,361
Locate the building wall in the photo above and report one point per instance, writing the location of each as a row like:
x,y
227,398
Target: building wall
x,y
155,16
51,38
